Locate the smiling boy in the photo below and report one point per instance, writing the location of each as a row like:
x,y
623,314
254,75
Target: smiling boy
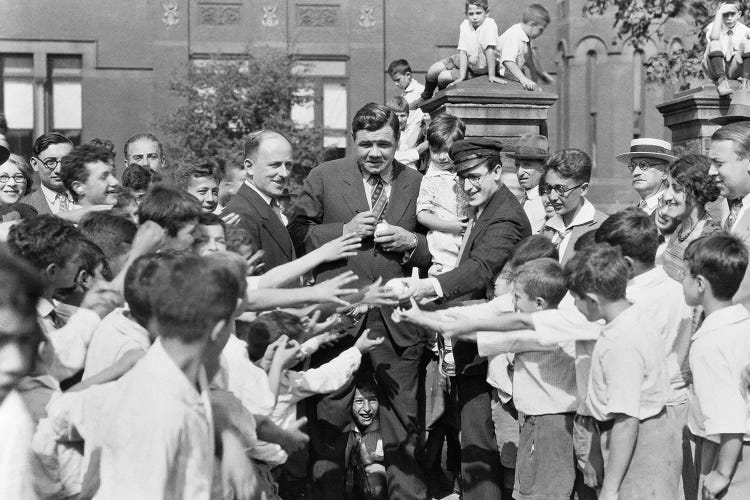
x,y
88,175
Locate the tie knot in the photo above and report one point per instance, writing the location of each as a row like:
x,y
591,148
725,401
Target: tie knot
x,y
730,32
375,178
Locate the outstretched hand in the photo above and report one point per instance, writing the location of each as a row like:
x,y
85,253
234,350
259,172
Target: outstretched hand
x,y
342,247
333,289
365,344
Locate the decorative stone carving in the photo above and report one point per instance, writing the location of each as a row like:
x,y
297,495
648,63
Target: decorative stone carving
x,y
317,16
270,16
218,14
367,17
171,16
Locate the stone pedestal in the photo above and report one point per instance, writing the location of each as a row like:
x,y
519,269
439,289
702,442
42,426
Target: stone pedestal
x,y
688,116
504,112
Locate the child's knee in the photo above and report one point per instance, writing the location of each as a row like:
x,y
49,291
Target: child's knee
x,y
445,77
715,49
435,70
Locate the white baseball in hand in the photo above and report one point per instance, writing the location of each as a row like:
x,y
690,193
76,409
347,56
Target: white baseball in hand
x,y
397,287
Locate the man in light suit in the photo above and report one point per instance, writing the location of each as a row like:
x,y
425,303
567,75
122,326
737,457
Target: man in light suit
x,y
268,162
730,167
374,196
50,197
499,224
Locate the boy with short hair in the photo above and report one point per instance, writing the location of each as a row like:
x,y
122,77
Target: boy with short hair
x,y
628,383
112,234
408,151
530,156
160,439
137,179
714,268
727,53
88,174
211,234
174,210
476,51
202,181
514,51
401,74
566,181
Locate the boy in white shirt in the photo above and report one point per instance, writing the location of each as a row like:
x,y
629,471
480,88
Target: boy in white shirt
x,y
514,48
409,148
476,52
727,53
719,417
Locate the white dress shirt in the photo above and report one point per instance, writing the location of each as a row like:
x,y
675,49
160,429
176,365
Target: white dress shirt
x,y
719,354
513,45
116,335
53,199
740,214
386,176
651,202
534,208
730,44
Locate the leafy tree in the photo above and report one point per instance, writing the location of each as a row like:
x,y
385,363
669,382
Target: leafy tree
x,y
223,99
637,21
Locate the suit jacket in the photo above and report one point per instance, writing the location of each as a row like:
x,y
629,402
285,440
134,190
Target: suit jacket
x,y
38,201
266,230
332,195
741,230
576,233
497,230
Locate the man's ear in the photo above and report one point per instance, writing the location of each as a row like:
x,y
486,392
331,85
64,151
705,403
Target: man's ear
x,y
78,188
702,283
584,189
593,297
34,163
51,271
631,266
84,279
218,329
248,165
497,171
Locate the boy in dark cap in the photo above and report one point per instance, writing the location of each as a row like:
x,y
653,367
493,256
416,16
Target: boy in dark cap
x,y
498,225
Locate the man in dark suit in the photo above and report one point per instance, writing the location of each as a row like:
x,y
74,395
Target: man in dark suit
x,y
50,197
268,161
374,196
499,224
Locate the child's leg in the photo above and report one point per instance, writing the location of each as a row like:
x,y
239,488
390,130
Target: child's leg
x,y
716,67
434,73
447,77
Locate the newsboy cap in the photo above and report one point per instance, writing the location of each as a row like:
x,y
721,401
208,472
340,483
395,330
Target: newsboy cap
x,y
468,153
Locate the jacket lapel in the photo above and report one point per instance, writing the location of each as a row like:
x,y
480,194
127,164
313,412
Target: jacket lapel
x,y
270,221
742,228
354,190
484,219
398,202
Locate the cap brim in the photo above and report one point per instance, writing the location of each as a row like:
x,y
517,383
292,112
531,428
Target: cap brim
x,y
526,157
626,157
469,164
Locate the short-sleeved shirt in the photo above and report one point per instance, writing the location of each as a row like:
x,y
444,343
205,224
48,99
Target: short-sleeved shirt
x,y
720,351
628,369
475,41
441,194
512,45
115,335
730,43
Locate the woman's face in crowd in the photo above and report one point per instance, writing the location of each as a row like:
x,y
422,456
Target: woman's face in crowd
x,y
12,188
675,200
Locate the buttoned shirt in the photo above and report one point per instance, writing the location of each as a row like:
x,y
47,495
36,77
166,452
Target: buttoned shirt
x,y
628,374
159,441
730,43
63,351
563,233
116,335
271,202
53,199
534,208
475,41
719,354
663,303
513,45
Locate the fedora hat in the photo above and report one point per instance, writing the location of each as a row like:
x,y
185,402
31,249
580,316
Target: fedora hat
x,y
648,148
739,109
531,147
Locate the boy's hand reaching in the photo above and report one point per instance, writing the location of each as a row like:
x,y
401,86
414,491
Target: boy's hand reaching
x,y
294,438
340,248
331,290
365,344
101,299
254,264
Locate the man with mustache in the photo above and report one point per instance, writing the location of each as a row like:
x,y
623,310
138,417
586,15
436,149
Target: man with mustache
x,y
47,153
530,155
647,161
268,164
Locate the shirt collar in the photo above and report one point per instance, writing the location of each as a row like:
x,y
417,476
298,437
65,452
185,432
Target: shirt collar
x,y
164,369
613,327
524,37
532,194
51,196
433,171
387,176
584,216
719,320
653,201
649,279
412,87
44,308
265,197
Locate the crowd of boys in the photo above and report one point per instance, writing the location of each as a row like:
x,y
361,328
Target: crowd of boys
x,y
184,331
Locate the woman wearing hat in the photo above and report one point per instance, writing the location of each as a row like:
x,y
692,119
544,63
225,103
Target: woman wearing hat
x,y
647,160
689,188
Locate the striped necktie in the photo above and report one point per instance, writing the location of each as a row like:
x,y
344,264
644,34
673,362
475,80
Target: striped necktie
x,y
734,210
378,198
62,199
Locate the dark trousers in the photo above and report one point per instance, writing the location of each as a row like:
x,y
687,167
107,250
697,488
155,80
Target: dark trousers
x,y
398,372
481,473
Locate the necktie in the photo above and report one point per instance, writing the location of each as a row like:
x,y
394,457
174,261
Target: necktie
x,y
62,199
276,208
728,46
378,198
734,209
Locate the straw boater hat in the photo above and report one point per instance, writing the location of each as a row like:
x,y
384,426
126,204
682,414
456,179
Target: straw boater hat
x,y
739,109
531,147
648,148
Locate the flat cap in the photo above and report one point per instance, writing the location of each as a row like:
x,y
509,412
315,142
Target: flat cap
x,y
468,153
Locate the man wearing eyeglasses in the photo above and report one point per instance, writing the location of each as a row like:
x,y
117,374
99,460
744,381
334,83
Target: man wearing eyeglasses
x,y
647,161
47,154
